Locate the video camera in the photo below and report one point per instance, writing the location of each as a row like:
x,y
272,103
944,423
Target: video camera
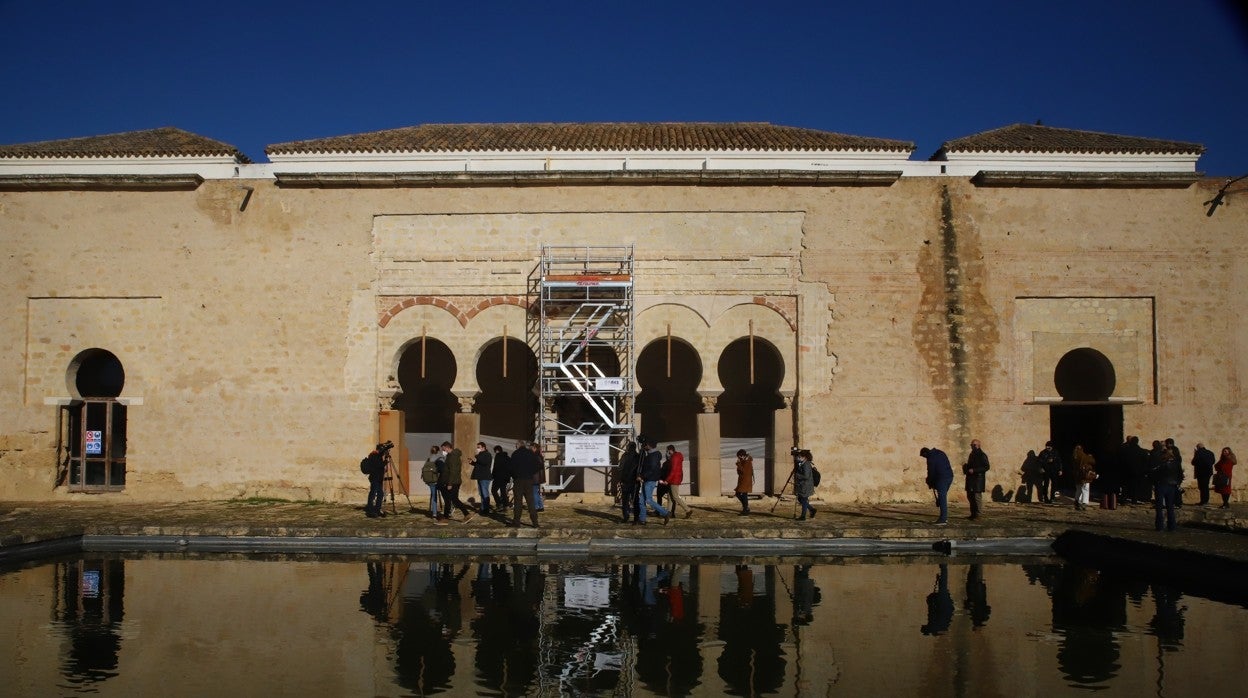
x,y
382,448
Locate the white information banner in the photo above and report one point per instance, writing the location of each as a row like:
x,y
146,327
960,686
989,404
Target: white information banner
x,y
587,449
608,384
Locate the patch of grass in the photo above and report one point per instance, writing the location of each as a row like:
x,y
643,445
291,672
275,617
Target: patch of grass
x,y
264,501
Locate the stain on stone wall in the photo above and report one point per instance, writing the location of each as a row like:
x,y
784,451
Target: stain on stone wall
x,y
956,330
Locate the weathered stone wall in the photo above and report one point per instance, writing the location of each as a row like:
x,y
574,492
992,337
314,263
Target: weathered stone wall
x,y
257,343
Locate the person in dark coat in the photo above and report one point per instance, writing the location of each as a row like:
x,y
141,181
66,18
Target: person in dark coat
x,y
1202,466
482,473
449,481
525,465
939,479
1167,476
975,469
375,464
1050,471
500,478
651,473
627,468
1133,459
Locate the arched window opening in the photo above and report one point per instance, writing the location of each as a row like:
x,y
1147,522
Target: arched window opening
x,y
1084,375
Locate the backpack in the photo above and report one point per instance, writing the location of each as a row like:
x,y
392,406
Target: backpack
x,y
429,472
815,477
364,468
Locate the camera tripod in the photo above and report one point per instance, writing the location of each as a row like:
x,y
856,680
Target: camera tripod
x,y
392,474
780,494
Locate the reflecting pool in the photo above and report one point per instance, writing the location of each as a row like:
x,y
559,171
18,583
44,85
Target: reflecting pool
x,y
388,626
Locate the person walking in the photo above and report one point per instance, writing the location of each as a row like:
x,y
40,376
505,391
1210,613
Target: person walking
x,y
1084,466
939,479
674,475
500,479
430,472
804,483
745,480
524,466
449,482
627,475
651,471
1222,476
1202,467
975,470
482,473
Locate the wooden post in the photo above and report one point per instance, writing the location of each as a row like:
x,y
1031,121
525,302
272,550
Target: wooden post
x,y
504,351
751,352
422,350
669,350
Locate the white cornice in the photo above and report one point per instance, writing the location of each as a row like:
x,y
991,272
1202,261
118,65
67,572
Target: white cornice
x,y
555,162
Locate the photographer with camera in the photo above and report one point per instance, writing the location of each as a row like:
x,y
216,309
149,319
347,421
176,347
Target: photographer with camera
x,y
804,482
374,466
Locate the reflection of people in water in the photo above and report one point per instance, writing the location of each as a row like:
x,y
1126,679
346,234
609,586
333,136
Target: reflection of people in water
x,y
939,605
977,597
752,661
1088,609
506,629
804,593
1167,622
423,659
669,660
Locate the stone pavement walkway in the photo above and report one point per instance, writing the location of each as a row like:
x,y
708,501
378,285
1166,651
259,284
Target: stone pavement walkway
x,y
1211,530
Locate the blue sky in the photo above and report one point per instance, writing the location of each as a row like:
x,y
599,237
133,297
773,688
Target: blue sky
x,y
253,73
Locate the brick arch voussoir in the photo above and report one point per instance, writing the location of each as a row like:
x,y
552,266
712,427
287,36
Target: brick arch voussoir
x,y
386,316
518,301
782,312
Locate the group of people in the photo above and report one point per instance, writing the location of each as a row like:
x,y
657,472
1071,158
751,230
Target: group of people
x,y
1134,473
503,480
646,478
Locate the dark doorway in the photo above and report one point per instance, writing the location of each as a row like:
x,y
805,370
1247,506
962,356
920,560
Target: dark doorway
x,y
507,404
1085,379
751,377
426,373
93,427
668,402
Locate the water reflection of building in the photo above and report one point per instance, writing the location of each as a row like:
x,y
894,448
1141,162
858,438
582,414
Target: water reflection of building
x,y
90,605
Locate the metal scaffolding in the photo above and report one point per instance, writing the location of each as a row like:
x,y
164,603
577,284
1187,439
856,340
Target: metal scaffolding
x,y
582,335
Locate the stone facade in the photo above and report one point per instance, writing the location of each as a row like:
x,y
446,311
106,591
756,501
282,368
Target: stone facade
x,y
260,323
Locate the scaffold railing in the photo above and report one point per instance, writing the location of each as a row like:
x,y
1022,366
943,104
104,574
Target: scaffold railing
x,y
582,334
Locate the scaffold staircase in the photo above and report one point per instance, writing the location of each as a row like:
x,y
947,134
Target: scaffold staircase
x,y
582,330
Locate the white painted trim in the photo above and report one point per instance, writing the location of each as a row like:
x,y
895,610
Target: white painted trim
x,y
957,164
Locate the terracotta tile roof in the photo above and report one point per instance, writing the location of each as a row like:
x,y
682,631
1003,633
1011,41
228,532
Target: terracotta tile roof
x,y
156,142
590,137
1028,138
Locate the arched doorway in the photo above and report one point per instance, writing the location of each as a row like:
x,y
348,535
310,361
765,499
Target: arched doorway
x,y
1085,379
751,371
426,374
668,402
507,403
94,424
